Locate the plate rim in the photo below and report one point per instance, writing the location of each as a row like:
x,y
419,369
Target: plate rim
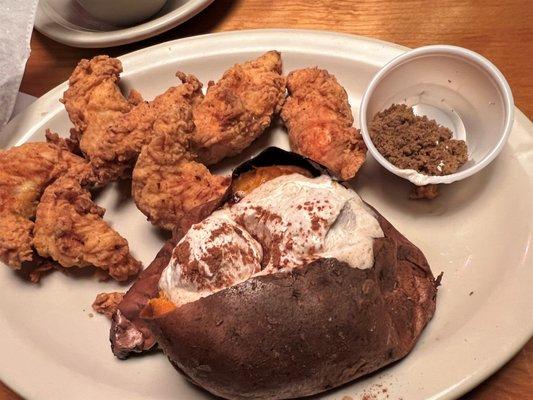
x,y
129,59
103,39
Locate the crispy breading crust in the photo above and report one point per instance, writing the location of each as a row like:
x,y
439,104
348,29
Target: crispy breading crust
x,y
94,101
69,229
238,108
170,112
319,120
107,303
25,171
169,185
112,129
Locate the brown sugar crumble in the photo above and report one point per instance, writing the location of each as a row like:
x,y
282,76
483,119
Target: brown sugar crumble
x,y
410,141
428,192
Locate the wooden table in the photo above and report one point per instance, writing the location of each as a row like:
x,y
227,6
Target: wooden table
x,y
500,30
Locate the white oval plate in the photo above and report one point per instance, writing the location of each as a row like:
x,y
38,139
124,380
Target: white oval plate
x,y
477,232
65,21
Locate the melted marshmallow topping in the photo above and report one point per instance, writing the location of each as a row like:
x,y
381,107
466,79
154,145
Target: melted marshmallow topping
x,y
282,224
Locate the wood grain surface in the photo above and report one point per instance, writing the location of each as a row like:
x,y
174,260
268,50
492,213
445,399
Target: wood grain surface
x,y
500,30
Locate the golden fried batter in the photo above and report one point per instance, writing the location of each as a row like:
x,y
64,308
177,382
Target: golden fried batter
x,y
16,237
168,185
319,120
107,303
238,108
94,101
169,112
64,143
24,173
113,129
69,229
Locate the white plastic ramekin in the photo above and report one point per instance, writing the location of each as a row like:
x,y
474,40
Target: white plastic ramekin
x,y
459,88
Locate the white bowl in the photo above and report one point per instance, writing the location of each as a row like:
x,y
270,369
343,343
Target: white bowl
x,y
122,12
458,88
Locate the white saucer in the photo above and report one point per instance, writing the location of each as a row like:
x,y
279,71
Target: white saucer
x,y
65,21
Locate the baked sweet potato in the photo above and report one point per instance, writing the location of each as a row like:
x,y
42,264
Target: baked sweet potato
x,y
287,334
300,333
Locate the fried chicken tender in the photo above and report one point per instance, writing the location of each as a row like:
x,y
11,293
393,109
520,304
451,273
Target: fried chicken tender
x,y
24,173
93,102
114,129
69,229
169,186
319,121
238,108
167,113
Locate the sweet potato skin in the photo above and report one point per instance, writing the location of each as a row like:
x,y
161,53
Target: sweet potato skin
x,y
129,333
300,333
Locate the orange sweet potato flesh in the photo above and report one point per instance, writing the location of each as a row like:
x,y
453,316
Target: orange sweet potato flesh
x,y
157,308
250,180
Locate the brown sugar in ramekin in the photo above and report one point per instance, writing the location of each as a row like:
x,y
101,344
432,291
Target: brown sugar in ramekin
x,y
415,142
